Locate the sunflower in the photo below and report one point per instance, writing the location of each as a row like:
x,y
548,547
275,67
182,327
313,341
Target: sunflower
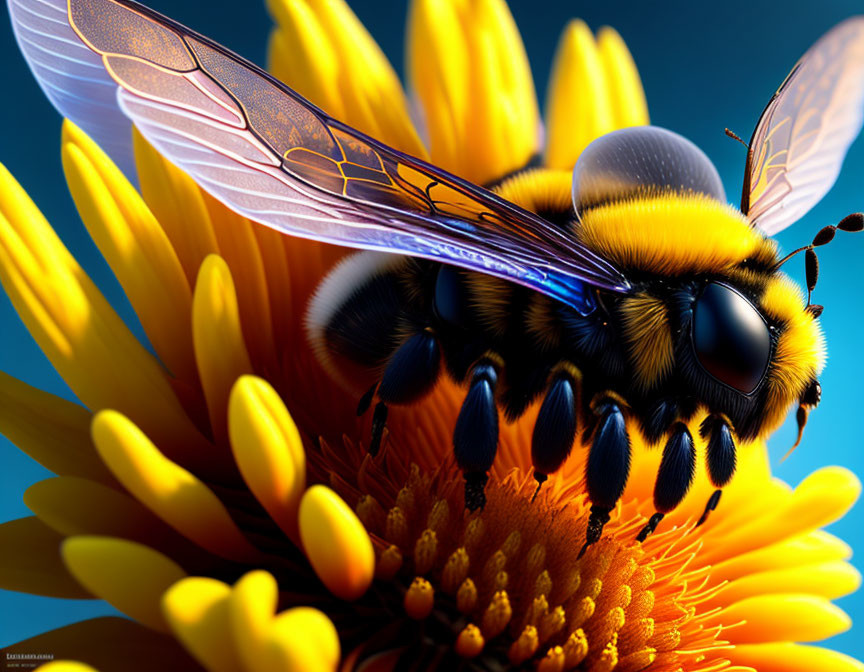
x,y
214,486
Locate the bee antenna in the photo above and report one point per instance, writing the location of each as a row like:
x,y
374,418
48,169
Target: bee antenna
x,y
737,137
851,223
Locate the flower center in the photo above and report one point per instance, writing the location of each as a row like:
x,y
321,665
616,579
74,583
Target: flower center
x,y
502,585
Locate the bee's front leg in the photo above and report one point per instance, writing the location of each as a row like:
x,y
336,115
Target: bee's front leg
x,y
720,456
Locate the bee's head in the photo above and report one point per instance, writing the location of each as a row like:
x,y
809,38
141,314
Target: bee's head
x,y
741,338
750,347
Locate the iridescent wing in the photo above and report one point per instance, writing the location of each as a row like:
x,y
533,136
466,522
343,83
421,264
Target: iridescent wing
x,y
272,156
802,137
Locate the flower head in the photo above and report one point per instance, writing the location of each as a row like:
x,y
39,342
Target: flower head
x,y
217,490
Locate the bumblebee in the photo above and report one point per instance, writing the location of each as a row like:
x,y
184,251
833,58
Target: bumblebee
x,y
627,297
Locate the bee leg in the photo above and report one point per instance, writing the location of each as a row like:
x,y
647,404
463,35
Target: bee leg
x,y
713,501
379,422
409,376
677,468
475,436
720,458
366,400
555,428
607,468
660,418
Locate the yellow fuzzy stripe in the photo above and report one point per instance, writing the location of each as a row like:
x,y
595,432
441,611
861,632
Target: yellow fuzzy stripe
x,y
670,234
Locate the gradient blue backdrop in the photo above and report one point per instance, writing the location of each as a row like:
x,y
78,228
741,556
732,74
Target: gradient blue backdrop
x,y
705,66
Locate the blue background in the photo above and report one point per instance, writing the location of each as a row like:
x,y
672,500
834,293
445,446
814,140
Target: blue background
x,y
705,66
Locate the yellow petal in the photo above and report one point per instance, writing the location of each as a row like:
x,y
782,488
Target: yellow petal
x,y
302,639
178,204
135,247
467,63
197,609
787,617
31,563
109,644
76,506
813,548
336,543
820,499
787,657
51,430
253,604
66,666
127,575
830,580
73,506
240,251
437,66
301,55
174,494
219,347
503,88
578,105
372,95
271,243
268,450
85,340
625,87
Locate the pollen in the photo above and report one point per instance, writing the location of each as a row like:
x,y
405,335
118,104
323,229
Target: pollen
x,y
419,599
503,583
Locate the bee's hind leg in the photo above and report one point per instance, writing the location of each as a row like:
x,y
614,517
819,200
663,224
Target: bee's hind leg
x,y
410,375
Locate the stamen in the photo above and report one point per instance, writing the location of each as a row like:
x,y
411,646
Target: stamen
x,y
419,599
439,515
554,660
497,615
575,648
470,642
397,526
466,596
389,563
525,646
543,584
425,551
455,570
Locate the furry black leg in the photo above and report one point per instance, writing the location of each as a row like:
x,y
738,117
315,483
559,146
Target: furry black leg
x,y
650,526
596,522
720,458
607,468
720,454
412,371
677,468
660,418
366,400
379,422
713,501
555,428
410,375
475,437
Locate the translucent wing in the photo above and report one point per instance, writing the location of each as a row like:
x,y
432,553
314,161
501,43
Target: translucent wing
x,y
272,156
802,137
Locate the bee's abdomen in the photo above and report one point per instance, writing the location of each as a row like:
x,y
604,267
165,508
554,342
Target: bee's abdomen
x,y
361,313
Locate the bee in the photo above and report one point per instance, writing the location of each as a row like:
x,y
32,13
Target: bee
x,y
633,299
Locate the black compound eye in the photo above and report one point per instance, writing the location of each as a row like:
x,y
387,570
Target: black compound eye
x,y
730,337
